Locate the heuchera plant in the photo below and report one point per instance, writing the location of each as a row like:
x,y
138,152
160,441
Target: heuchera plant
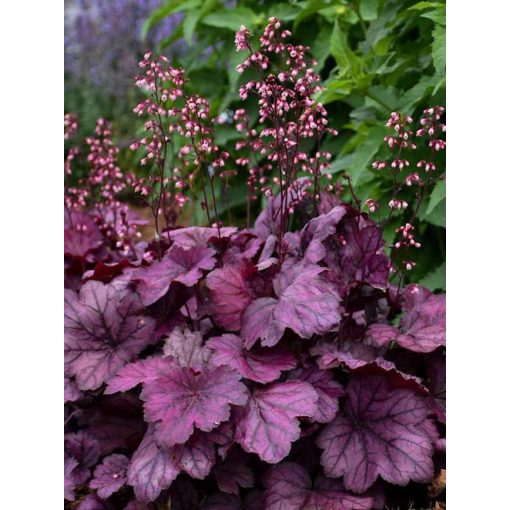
x,y
275,366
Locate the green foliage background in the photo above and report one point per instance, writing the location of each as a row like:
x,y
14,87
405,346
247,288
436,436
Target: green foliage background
x,y
374,56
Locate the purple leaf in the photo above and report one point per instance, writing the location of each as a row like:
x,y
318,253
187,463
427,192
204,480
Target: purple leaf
x,y
138,372
71,391
436,369
116,422
361,358
355,253
306,303
327,389
411,296
233,473
327,201
137,505
381,335
92,502
223,436
104,329
230,295
424,326
197,456
178,265
110,475
152,468
73,476
380,432
69,465
263,365
253,501
183,495
81,235
350,354
181,400
268,424
259,321
289,487
83,447
186,349
243,245
317,231
192,237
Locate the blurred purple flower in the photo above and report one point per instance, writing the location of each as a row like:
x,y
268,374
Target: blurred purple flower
x,y
103,43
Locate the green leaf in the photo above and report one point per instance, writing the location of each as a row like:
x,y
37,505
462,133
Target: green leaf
x,y
320,46
420,6
285,12
231,19
343,54
437,216
235,59
437,13
340,164
165,10
363,156
335,89
438,16
189,24
438,194
410,99
309,8
436,279
368,9
439,49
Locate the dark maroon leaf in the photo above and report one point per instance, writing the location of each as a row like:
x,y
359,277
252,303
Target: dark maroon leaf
x,y
105,273
220,501
183,495
233,473
436,369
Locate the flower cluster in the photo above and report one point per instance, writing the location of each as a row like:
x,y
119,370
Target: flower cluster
x,y
171,113
70,125
400,143
92,203
292,119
